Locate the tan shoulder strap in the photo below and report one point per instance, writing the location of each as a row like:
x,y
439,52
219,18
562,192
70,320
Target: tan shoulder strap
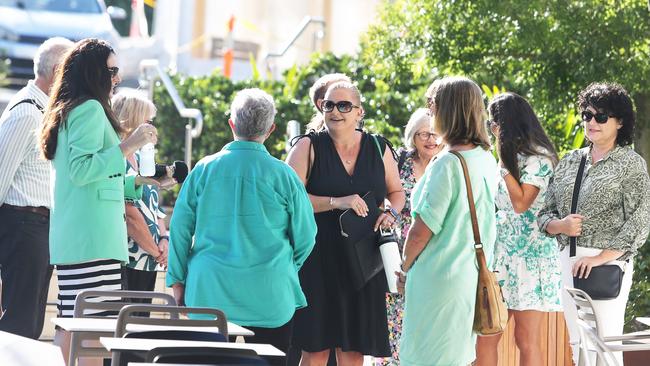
x,y
470,199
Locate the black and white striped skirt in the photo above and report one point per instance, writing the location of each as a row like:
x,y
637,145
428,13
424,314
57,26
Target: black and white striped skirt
x,y
103,274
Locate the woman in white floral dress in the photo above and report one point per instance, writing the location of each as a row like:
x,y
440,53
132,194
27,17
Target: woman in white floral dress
x,y
526,259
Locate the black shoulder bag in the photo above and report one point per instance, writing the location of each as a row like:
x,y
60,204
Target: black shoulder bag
x,y
604,282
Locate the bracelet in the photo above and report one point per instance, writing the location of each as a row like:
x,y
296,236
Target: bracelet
x,y
164,237
331,202
504,172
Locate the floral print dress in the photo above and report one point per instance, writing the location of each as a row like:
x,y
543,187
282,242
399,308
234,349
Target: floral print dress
x,y
527,260
395,302
150,209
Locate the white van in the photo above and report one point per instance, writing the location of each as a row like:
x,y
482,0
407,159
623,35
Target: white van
x,y
25,24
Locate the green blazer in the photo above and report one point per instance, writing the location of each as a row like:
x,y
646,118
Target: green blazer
x,y
87,219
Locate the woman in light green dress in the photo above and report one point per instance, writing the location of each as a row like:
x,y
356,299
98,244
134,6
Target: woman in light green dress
x,y
527,260
439,269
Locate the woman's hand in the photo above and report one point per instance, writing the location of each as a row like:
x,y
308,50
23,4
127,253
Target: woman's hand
x,y
582,267
572,224
385,221
144,134
355,202
179,293
401,282
161,182
163,244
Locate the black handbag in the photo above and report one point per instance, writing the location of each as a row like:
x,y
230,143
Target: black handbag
x,y
361,249
604,282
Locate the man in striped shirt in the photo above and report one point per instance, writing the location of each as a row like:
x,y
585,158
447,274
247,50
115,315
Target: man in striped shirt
x,y
25,198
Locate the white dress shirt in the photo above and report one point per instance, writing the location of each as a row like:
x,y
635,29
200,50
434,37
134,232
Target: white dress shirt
x,y
24,175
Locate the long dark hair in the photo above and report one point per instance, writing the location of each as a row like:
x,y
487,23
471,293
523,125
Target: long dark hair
x,y
519,131
83,75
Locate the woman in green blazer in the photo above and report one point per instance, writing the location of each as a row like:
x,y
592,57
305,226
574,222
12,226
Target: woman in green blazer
x,y
80,137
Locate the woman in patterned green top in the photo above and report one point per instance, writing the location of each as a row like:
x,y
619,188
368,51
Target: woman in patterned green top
x,y
527,261
147,241
613,209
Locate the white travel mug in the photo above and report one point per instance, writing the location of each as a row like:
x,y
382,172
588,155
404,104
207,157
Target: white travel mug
x,y
392,259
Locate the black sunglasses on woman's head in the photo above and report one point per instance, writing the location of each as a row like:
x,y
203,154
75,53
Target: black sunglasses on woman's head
x,y
343,106
601,117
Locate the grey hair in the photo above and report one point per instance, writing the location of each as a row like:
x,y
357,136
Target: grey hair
x,y
420,117
50,54
252,112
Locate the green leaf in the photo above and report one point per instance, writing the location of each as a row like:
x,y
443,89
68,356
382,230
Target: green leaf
x,y
488,92
569,122
578,139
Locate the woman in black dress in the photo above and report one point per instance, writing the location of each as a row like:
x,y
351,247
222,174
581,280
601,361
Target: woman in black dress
x,y
338,166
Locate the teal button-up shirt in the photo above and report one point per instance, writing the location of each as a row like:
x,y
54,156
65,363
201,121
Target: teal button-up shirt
x,y
241,229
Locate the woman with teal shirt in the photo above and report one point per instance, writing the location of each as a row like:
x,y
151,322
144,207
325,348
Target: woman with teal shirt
x,y
439,269
241,229
80,137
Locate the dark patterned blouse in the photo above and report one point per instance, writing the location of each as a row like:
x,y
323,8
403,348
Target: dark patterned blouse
x,y
614,199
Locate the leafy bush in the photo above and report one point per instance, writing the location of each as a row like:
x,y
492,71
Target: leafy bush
x,y
387,109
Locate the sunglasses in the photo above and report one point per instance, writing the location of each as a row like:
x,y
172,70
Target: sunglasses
x,y
151,120
425,136
113,71
343,106
600,117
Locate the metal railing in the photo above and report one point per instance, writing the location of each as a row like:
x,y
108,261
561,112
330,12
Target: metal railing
x,y
302,27
148,80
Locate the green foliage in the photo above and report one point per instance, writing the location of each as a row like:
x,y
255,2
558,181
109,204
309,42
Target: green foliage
x,y
544,50
386,109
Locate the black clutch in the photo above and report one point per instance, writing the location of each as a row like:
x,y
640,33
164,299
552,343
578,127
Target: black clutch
x,y
603,283
361,249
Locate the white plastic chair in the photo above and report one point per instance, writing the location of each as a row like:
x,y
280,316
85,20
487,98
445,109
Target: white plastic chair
x,y
587,319
590,339
87,306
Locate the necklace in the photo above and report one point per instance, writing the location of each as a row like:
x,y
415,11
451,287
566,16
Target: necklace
x,y
348,161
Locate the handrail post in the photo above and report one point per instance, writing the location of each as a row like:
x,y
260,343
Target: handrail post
x,y
188,145
191,131
302,27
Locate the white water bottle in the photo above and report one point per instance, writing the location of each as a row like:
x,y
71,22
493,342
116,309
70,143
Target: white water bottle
x,y
147,160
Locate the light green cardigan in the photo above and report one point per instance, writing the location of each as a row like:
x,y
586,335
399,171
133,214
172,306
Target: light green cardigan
x,y
87,219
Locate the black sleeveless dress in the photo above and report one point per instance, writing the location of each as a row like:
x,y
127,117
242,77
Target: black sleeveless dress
x,y
336,315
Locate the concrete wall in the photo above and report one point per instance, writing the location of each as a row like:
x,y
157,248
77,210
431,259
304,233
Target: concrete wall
x,y
187,28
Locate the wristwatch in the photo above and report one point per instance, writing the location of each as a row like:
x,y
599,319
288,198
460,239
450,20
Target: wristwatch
x,y
166,237
392,212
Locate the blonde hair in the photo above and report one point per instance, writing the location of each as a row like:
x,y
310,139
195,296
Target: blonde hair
x,y
460,112
316,92
132,109
420,117
346,85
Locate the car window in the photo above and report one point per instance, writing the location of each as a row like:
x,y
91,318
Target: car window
x,y
65,6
